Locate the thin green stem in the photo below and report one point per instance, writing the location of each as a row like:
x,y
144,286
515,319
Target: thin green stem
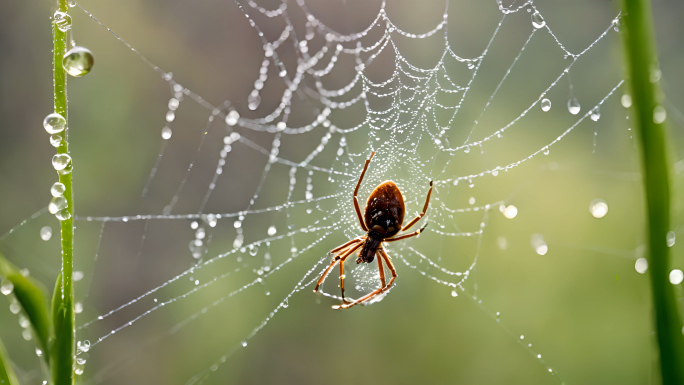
x,y
643,74
63,316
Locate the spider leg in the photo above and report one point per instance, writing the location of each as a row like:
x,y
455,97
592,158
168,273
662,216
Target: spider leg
x,y
416,219
336,259
356,191
378,291
382,271
344,246
409,235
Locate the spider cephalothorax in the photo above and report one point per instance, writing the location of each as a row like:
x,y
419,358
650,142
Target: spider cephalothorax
x,y
382,220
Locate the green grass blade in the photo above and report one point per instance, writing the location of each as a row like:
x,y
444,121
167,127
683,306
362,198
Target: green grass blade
x,y
643,73
30,295
62,349
7,375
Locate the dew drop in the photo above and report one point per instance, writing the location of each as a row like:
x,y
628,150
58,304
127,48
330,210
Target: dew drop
x,y
244,344
281,126
78,61
454,293
253,101
54,123
522,337
78,275
232,118
282,73
170,116
626,100
272,230
57,189
537,20
546,151
78,371
676,277
173,104
671,237
46,233
56,140
63,215
659,114
595,114
545,104
598,208
26,333
72,3
510,212
62,21
57,204
538,244
61,161
78,308
6,288
502,242
166,133
573,106
39,352
641,265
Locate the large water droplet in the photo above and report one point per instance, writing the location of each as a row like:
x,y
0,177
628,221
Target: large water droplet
x,y
63,215
6,288
676,277
62,21
46,233
510,212
57,189
78,61
595,114
232,118
641,265
598,208
659,114
54,123
670,238
57,204
253,101
537,20
61,161
545,104
166,133
56,140
573,106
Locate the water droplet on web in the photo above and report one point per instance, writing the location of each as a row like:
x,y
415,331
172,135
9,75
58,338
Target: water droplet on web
x,y
537,20
545,104
522,337
166,133
676,277
63,215
286,302
78,308
54,123
616,25
24,322
46,233
78,61
244,344
232,118
538,244
626,100
170,116
671,237
57,189
641,265
454,293
78,275
598,208
271,230
237,224
62,21
27,335
659,114
83,346
502,242
6,288
173,104
39,352
56,140
196,247
546,151
573,106
467,149
471,200
57,204
61,161
510,212
253,101
595,114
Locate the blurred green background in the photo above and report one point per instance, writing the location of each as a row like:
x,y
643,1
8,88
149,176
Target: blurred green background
x,y
582,305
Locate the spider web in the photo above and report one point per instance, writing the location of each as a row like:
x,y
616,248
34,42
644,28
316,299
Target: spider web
x,y
253,179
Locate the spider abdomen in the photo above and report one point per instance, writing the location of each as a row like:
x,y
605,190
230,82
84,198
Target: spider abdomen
x,y
384,212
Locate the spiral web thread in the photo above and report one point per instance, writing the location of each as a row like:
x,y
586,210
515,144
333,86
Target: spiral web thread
x,y
408,119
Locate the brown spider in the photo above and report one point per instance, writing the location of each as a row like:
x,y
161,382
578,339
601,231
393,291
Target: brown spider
x,y
382,220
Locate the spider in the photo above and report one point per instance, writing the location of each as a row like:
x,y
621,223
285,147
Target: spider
x,y
382,220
